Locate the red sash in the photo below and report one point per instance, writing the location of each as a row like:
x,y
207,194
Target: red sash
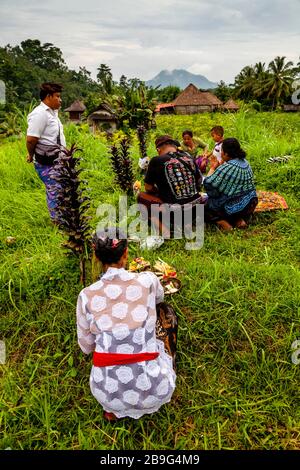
x,y
115,359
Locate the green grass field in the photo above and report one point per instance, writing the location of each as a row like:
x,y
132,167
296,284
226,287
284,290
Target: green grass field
x,y
237,387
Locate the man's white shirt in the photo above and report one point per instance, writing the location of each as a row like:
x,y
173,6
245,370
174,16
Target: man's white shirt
x,y
44,123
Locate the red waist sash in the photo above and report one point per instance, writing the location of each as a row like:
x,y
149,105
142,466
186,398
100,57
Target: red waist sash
x,y
115,359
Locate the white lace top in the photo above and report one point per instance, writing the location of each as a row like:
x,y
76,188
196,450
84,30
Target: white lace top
x,y
117,314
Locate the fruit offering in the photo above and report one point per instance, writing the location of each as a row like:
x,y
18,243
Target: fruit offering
x,y
138,264
164,270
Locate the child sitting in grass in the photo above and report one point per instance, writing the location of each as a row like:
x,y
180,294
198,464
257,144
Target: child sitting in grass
x,y
194,146
217,134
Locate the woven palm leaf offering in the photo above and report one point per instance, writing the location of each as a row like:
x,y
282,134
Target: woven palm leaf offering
x,y
170,285
139,264
168,276
163,270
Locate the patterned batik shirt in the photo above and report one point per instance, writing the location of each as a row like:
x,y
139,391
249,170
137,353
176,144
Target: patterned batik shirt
x,y
117,314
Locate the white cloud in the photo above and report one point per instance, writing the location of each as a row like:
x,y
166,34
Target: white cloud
x,y
139,38
116,44
199,68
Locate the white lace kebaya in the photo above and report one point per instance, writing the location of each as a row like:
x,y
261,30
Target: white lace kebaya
x,y
117,314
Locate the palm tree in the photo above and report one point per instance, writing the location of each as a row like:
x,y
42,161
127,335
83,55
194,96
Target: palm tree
x,y
260,76
244,83
278,82
259,69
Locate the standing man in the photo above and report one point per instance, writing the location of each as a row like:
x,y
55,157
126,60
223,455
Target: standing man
x,y
45,139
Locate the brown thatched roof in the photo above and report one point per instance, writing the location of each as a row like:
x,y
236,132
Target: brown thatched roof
x,y
77,106
210,97
103,113
191,96
231,105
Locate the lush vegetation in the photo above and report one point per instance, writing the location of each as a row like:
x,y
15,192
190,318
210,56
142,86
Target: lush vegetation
x,y
237,387
24,67
271,86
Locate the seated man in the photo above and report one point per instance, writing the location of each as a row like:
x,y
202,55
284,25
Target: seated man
x,y
172,177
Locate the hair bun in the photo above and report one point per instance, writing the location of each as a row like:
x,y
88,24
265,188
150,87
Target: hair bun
x,y
109,245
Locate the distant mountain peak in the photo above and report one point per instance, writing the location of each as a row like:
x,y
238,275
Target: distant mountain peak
x,y
181,78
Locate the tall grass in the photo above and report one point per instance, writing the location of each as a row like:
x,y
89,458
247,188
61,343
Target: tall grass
x,y
238,312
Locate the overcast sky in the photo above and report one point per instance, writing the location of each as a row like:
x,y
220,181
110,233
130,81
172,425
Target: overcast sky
x,y
139,38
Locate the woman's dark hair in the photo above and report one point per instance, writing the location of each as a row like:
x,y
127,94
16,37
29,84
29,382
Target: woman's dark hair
x,y
49,89
109,245
187,132
232,147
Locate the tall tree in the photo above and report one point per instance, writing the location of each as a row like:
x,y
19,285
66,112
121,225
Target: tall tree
x,y
123,82
104,77
278,83
223,91
244,83
24,67
46,56
260,76
167,94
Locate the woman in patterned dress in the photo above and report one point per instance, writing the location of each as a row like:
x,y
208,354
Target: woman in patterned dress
x,y
230,188
132,372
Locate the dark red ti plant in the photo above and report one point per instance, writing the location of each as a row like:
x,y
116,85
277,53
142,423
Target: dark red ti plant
x,y
122,166
73,203
142,136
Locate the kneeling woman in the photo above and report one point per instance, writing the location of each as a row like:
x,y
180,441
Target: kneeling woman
x,y
117,319
230,188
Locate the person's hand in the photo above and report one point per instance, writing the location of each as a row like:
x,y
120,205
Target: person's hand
x,y
203,164
137,187
213,163
29,158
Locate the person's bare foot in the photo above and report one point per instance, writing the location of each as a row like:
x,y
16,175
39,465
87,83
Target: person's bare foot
x,y
241,224
224,225
110,416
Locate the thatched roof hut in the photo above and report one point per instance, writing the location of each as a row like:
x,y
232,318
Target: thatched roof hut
x,y
231,105
193,101
209,97
103,119
75,110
